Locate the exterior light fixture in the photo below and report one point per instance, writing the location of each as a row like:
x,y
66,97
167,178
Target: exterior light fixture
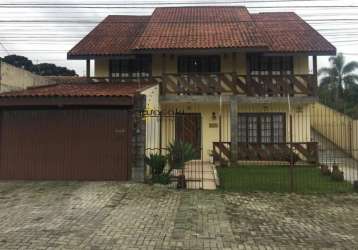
x,y
213,116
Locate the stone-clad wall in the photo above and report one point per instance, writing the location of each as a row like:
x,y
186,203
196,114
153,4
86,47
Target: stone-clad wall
x,y
138,139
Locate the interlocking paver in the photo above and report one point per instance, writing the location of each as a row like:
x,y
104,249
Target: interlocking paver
x,y
111,215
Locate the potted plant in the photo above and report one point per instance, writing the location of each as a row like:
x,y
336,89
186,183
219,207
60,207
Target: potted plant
x,y
180,153
325,170
337,174
157,163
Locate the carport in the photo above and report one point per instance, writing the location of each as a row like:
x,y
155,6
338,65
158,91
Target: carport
x,y
68,132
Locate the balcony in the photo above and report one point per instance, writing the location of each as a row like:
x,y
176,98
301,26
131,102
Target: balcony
x,y
246,85
226,84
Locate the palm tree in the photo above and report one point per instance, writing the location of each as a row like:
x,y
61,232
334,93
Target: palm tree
x,y
339,77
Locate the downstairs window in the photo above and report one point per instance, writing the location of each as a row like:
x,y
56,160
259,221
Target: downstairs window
x,y
261,128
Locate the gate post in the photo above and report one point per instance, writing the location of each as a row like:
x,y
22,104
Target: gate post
x,y
233,129
139,140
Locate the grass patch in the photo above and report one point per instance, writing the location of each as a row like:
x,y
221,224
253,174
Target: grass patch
x,y
253,178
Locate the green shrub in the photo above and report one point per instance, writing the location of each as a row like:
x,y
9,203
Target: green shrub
x,y
179,153
325,170
157,163
337,175
162,179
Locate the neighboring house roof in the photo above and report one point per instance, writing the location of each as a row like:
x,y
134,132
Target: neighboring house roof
x,y
287,32
215,27
79,90
113,36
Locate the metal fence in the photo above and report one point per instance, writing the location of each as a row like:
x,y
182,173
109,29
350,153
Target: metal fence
x,y
163,130
281,148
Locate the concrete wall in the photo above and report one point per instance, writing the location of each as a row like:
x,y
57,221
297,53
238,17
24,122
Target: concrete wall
x,y
168,63
13,78
340,129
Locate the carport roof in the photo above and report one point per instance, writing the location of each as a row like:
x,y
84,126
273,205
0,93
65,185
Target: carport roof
x,y
79,90
75,94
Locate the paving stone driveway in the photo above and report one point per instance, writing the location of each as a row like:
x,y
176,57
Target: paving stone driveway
x,y
109,215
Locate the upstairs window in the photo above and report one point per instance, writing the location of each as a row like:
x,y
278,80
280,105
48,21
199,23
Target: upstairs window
x,y
269,65
198,64
131,68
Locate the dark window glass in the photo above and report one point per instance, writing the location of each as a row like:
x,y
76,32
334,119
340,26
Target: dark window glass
x,y
242,128
261,128
270,65
131,68
198,64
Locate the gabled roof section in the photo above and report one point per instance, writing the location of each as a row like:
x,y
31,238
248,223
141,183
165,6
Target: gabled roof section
x,y
200,28
288,33
204,27
113,36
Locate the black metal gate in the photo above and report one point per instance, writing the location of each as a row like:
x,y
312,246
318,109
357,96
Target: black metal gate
x,y
173,149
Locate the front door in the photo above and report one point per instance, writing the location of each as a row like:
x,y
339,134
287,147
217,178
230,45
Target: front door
x,y
188,129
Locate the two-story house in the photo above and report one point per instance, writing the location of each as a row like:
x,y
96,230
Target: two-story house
x,y
216,61
244,82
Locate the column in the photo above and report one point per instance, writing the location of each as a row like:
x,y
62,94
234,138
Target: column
x,y
233,128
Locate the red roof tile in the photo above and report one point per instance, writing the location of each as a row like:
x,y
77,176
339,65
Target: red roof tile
x,y
79,90
287,32
113,36
200,27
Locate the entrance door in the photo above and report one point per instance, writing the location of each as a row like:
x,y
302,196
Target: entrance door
x,y
188,129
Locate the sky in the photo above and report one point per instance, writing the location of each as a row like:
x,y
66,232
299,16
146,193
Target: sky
x,y
44,30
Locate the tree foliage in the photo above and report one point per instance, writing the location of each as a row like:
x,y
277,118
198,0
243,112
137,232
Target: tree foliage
x,y
338,87
43,69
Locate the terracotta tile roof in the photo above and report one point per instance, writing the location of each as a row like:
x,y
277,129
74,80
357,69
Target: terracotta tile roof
x,y
287,32
200,27
113,36
79,90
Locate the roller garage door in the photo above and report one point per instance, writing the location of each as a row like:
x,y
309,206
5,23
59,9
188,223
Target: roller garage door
x,y
65,144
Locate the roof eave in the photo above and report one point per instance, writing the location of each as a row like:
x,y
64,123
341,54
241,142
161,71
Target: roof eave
x,y
60,101
308,53
202,50
98,56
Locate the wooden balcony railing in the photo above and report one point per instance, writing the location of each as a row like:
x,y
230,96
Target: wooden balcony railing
x,y
248,85
301,151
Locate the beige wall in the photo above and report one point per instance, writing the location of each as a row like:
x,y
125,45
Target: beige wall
x,y
152,121
337,127
101,67
13,78
168,63
210,134
301,65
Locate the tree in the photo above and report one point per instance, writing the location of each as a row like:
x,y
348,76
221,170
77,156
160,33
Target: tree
x,y
49,69
43,69
338,78
19,62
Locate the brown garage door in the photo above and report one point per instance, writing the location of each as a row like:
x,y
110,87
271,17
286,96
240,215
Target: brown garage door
x,y
70,144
